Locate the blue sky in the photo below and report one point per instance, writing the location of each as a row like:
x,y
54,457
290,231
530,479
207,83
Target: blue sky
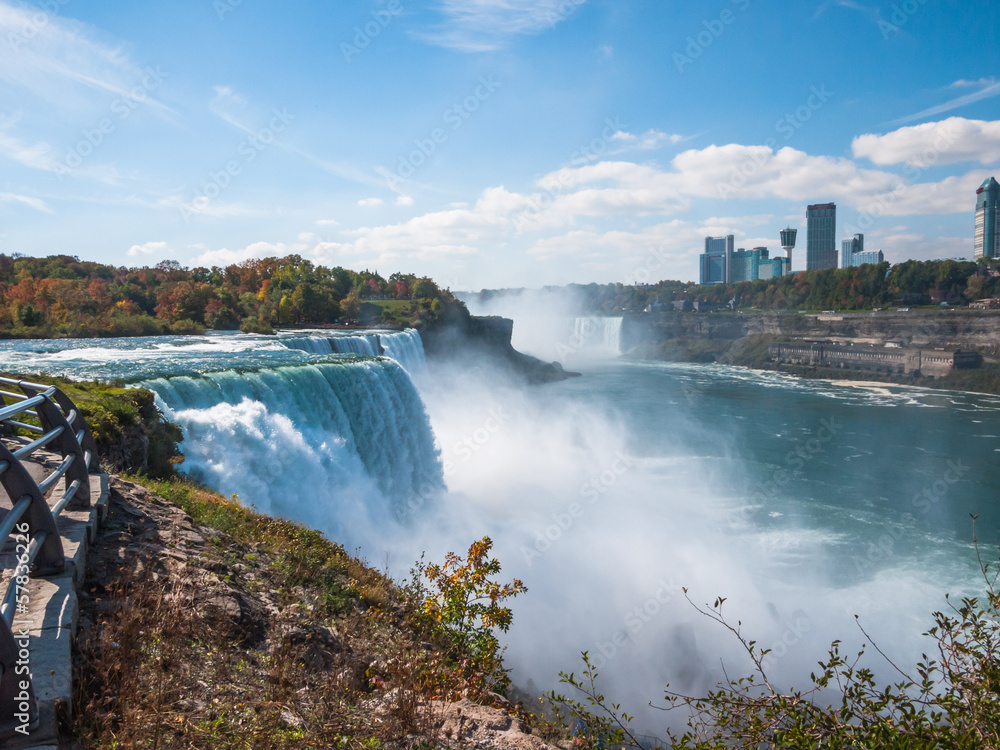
x,y
491,142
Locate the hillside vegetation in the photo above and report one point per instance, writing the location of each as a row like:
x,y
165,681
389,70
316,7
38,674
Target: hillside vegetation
x,y
62,296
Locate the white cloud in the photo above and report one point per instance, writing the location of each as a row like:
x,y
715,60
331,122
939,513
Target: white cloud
x,y
483,25
35,203
647,141
945,142
370,202
631,218
224,256
148,248
327,223
404,200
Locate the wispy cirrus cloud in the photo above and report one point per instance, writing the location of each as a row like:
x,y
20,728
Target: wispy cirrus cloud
x,y
35,203
235,109
870,12
986,88
34,155
62,61
484,25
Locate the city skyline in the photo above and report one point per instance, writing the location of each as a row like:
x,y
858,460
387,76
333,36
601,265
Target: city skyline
x,y
493,144
716,263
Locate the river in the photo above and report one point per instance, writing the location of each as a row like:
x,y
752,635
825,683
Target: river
x,y
804,503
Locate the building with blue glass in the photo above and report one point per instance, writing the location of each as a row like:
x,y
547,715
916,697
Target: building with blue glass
x,y
717,260
821,236
987,238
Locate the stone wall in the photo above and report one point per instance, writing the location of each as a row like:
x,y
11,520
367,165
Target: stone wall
x,y
875,359
952,329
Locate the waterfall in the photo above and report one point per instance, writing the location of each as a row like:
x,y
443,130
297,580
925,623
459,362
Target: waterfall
x,y
311,344
329,443
405,347
598,333
366,346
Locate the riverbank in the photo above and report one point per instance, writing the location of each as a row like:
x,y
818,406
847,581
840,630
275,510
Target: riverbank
x,y
205,624
743,340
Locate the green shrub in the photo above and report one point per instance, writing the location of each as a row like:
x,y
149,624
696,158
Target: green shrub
x,y
256,325
465,605
186,327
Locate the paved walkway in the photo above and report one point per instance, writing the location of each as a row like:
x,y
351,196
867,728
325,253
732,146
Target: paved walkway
x,y
53,611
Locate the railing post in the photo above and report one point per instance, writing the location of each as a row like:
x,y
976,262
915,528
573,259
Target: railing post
x,y
18,483
66,443
4,427
78,424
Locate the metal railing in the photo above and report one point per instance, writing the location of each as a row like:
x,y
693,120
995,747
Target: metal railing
x,y
34,419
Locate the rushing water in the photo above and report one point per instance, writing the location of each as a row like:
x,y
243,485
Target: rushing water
x,y
803,502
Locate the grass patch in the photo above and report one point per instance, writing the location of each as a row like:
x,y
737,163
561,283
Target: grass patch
x,y
130,432
299,556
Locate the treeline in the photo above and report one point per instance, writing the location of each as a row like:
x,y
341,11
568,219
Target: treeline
x,y
862,288
63,296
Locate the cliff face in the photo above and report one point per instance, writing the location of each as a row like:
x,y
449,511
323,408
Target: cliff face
x,y
470,337
977,330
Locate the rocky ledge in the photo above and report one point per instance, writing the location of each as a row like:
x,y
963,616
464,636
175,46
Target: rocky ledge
x,y
186,640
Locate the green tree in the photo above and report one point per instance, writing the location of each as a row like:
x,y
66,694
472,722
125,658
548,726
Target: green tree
x,y
285,311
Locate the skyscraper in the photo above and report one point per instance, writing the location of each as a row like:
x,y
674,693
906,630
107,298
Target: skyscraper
x,y
717,260
988,220
821,236
850,246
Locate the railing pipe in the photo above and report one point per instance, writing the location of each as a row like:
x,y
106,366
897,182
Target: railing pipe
x,y
62,430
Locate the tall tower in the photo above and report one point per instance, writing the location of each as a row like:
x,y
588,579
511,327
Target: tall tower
x,y
988,220
821,236
788,244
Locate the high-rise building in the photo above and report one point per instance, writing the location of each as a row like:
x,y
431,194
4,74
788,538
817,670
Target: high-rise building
x,y
849,247
821,236
988,220
717,260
